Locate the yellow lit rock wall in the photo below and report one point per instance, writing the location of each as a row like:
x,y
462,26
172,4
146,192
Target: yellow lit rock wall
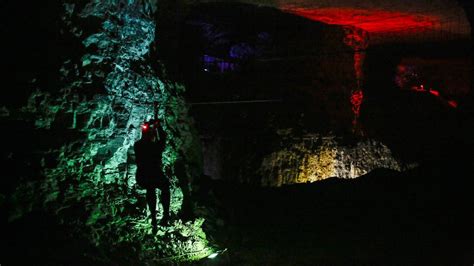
x,y
315,158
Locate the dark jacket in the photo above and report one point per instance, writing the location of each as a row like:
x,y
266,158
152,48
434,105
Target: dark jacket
x,y
148,156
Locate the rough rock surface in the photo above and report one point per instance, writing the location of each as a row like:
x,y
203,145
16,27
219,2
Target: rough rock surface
x,y
103,97
316,157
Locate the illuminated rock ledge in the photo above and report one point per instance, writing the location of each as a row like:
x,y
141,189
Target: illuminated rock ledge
x,y
315,158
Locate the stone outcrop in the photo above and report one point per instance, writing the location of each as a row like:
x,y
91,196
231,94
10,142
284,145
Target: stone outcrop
x,y
106,90
315,158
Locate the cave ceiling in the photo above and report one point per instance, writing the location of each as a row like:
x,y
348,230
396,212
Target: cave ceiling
x,y
404,18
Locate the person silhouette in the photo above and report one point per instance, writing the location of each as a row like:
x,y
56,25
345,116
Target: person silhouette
x,y
150,176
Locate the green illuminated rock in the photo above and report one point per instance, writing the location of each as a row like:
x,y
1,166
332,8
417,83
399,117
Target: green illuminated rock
x,y
104,96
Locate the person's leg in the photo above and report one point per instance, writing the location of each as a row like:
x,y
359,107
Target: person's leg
x,y
165,198
151,201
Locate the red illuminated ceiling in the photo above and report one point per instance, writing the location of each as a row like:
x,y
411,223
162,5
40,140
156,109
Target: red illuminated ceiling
x,y
370,20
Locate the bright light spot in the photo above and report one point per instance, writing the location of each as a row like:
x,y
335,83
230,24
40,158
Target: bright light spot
x,y
213,255
435,93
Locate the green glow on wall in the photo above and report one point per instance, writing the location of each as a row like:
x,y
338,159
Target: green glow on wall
x,y
96,171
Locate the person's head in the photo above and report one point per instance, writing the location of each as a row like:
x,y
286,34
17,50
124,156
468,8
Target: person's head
x,y
149,130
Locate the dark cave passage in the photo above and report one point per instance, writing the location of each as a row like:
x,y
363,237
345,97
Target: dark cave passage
x,y
384,217
257,87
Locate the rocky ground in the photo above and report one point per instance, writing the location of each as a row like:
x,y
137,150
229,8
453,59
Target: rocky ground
x,y
420,217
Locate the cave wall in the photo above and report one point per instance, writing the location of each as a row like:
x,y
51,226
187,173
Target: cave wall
x,y
80,128
313,68
289,158
285,57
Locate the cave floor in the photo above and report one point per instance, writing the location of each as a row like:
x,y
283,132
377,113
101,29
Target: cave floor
x,y
419,217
